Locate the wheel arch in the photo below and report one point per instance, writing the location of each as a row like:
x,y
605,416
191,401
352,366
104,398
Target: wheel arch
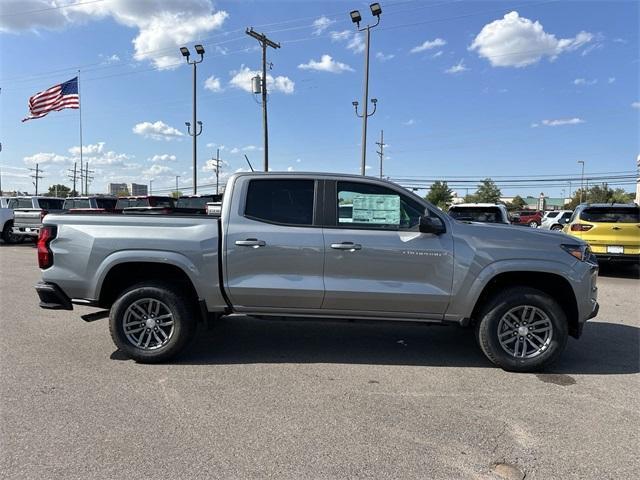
x,y
124,275
550,283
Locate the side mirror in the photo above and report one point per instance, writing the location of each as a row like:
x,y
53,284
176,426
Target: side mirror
x,y
431,225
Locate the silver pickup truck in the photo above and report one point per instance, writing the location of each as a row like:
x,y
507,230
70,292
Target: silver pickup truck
x,y
324,246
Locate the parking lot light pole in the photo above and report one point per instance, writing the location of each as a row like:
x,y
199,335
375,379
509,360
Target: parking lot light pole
x,y
581,180
185,53
376,11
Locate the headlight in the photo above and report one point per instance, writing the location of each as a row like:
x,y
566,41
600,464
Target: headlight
x,y
581,252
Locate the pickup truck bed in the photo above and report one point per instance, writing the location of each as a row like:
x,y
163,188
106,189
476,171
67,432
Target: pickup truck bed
x,y
284,245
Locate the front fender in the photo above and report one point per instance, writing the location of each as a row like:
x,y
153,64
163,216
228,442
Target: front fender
x,y
467,290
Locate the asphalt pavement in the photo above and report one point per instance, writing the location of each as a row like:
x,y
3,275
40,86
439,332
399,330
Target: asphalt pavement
x,y
311,399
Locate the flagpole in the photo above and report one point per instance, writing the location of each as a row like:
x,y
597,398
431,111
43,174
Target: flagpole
x,y
80,112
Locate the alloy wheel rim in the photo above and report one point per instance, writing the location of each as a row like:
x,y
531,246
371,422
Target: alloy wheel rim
x,y
148,324
525,332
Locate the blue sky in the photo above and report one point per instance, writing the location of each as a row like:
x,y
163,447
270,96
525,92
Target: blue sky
x,y
464,87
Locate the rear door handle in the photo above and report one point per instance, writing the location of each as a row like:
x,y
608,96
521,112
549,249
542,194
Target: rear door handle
x,y
251,242
346,246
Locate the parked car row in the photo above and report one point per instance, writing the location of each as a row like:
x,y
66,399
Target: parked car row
x,y
21,217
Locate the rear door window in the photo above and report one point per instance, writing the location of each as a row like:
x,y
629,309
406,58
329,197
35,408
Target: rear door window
x,y
611,214
288,202
552,214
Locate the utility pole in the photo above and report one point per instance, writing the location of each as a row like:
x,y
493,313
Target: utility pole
x,y
87,177
177,177
381,144
150,186
217,169
195,133
356,18
36,176
72,177
581,180
264,43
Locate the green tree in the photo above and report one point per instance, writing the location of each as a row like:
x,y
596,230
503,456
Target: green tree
x,y
600,194
58,191
517,203
440,194
176,194
488,192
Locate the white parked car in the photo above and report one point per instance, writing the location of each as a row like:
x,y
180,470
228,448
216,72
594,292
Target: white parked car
x,y
556,219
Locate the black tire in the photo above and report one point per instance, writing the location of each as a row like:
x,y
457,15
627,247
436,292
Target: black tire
x,y
497,307
177,302
556,227
8,235
533,224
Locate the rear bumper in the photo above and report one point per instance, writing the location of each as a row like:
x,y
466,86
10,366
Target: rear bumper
x,y
618,257
30,231
52,297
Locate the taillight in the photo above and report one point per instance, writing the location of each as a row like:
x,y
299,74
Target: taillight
x,y
43,213
580,227
45,255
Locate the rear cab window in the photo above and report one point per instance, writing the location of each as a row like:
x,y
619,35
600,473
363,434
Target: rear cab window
x,y
630,214
106,203
286,202
50,203
20,203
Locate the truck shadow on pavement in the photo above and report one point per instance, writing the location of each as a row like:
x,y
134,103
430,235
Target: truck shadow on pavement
x,y
604,349
619,270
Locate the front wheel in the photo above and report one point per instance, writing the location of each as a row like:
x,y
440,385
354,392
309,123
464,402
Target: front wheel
x,y
522,330
152,322
556,227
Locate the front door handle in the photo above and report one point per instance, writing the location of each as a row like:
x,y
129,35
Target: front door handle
x,y
251,242
346,246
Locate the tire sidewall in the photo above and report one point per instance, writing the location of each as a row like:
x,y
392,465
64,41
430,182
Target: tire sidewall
x,y
183,317
488,330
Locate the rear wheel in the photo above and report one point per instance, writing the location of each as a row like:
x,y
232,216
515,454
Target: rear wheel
x,y
533,224
8,236
556,227
152,322
522,330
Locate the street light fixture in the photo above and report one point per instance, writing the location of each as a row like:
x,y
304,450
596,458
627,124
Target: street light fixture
x,y
376,11
185,53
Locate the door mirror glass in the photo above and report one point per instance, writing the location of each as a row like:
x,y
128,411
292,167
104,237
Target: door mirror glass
x,y
431,225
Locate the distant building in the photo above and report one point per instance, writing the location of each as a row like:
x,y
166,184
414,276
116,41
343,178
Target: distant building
x,y
119,189
138,189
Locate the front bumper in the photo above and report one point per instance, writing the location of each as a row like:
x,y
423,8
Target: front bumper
x,y
618,257
52,297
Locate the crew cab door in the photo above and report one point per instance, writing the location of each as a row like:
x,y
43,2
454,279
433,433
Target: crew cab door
x,y
274,250
376,260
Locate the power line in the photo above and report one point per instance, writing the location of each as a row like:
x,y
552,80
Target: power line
x,y
59,7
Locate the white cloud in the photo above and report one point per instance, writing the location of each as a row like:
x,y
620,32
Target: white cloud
x,y
635,105
428,45
157,131
353,39
559,122
384,57
242,79
355,44
321,24
584,81
212,83
457,68
326,64
109,59
515,41
342,36
611,80
290,169
437,54
161,26
165,157
44,158
90,149
157,170
409,122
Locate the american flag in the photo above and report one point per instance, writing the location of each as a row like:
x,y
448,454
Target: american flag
x,y
58,97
